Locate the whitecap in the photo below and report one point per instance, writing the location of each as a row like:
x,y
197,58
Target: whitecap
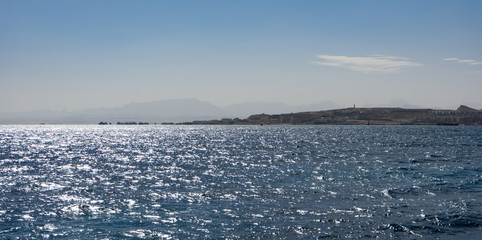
x,y
169,220
85,167
154,196
386,194
27,217
47,186
146,234
130,202
72,198
48,227
152,217
302,212
72,209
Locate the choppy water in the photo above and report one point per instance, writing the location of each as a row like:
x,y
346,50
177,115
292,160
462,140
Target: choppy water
x,y
127,182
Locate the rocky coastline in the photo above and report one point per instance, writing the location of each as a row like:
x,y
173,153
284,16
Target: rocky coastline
x,y
360,116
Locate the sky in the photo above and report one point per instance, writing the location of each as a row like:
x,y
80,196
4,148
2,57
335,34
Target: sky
x,y
86,54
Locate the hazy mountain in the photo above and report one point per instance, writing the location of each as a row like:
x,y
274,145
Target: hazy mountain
x,y
162,109
394,103
175,110
157,111
244,110
180,107
33,116
166,110
325,105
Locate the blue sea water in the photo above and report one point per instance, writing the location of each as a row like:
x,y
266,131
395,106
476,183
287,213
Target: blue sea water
x,y
240,182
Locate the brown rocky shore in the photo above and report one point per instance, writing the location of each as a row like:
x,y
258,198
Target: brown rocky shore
x,y
361,116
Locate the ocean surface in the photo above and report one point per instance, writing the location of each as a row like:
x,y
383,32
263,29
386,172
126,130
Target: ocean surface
x,y
240,182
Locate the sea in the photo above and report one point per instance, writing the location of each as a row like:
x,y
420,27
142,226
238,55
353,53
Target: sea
x,y
240,182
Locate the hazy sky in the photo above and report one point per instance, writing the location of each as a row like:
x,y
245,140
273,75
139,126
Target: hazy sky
x,y
83,54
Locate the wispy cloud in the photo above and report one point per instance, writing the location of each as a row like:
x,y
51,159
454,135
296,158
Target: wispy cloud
x,y
468,61
372,64
451,59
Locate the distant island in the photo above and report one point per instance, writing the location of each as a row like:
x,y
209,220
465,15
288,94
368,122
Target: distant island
x,y
360,116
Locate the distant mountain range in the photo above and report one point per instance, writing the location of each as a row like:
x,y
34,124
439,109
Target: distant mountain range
x,y
176,110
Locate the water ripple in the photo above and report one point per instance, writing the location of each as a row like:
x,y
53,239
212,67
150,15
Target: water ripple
x,y
177,182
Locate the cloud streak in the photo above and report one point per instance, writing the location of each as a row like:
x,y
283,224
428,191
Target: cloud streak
x,y
467,61
372,64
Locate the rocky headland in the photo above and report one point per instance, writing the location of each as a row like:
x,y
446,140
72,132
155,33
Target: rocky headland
x,y
361,116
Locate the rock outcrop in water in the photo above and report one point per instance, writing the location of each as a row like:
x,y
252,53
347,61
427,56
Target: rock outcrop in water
x,y
363,116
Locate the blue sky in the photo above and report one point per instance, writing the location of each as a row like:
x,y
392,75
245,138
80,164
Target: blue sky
x,y
84,54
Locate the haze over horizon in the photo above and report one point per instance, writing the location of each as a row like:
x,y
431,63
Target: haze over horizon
x,y
88,54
